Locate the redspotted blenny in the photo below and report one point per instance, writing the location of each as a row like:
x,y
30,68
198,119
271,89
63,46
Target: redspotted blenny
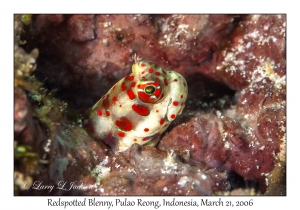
x,y
139,107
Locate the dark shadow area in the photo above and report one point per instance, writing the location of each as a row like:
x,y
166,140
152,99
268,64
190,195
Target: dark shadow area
x,y
206,94
236,181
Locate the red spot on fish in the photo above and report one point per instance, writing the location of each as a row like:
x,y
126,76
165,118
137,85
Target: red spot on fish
x,y
157,73
157,110
150,70
146,129
106,103
145,139
173,116
124,124
130,94
182,103
142,64
107,113
141,110
131,78
143,72
164,71
175,103
175,80
135,140
121,134
162,120
127,77
166,82
123,86
133,84
184,84
120,105
181,96
99,112
114,99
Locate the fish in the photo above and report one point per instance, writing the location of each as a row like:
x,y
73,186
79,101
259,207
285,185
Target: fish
x,y
139,107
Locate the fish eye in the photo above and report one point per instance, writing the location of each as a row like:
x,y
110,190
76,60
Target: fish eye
x,y
149,89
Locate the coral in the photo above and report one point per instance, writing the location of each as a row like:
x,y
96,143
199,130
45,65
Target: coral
x,y
107,58
248,138
152,172
26,155
82,27
223,142
231,132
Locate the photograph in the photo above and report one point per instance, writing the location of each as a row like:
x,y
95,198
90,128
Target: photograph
x,y
149,105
